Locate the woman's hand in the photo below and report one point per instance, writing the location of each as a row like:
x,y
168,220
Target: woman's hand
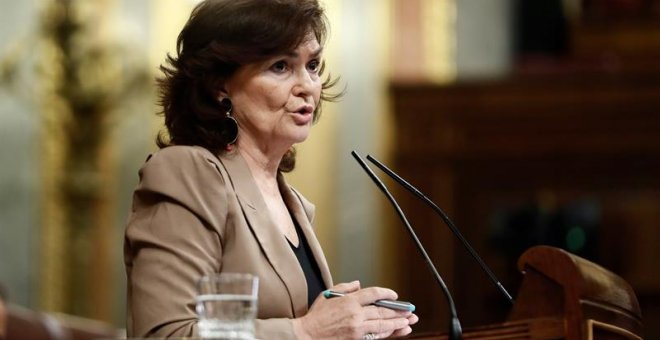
x,y
352,316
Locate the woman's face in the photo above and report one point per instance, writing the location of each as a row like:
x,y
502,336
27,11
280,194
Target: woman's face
x,y
274,101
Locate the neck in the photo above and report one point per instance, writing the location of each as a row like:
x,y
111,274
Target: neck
x,y
263,158
264,170
262,165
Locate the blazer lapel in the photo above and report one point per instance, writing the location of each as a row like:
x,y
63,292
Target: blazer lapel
x,y
274,245
303,212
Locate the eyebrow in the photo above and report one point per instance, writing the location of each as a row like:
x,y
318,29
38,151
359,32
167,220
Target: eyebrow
x,y
294,54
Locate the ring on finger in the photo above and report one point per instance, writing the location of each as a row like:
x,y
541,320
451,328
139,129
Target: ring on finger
x,y
370,336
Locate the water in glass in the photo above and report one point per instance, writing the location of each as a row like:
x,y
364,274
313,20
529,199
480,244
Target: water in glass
x,y
226,316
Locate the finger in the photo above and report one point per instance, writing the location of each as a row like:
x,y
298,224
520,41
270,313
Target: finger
x,y
402,332
370,295
384,325
346,287
412,319
372,312
384,335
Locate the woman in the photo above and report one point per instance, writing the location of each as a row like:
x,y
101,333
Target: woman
x,y
245,87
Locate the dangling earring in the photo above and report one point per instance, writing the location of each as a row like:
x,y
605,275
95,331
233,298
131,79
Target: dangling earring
x,y
230,130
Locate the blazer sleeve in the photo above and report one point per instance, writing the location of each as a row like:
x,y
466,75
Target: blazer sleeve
x,y
173,238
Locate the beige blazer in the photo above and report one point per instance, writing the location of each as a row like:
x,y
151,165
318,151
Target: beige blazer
x,y
194,213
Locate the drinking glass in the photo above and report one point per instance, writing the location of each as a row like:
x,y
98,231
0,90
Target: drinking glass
x,y
227,306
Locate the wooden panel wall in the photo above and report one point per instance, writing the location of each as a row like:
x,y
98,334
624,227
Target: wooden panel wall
x,y
546,140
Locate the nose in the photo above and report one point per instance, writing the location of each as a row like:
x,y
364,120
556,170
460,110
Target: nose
x,y
305,84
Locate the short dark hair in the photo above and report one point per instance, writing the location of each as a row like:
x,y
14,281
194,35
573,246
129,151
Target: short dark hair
x,y
219,37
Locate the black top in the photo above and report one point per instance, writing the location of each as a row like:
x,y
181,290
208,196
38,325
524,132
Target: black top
x,y
309,266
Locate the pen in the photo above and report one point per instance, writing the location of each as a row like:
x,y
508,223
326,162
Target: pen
x,y
391,304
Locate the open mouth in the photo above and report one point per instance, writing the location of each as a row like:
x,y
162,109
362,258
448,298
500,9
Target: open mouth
x,y
304,114
305,110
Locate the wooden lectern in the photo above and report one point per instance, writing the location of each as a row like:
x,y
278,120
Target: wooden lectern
x,y
563,296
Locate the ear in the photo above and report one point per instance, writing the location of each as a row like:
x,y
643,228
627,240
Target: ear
x,y
221,94
221,91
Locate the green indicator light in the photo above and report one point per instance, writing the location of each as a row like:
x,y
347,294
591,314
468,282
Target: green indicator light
x,y
575,239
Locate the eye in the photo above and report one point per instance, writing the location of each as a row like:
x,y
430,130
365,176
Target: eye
x,y
279,67
314,65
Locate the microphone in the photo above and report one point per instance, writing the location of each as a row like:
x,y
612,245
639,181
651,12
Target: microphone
x,y
448,222
455,330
